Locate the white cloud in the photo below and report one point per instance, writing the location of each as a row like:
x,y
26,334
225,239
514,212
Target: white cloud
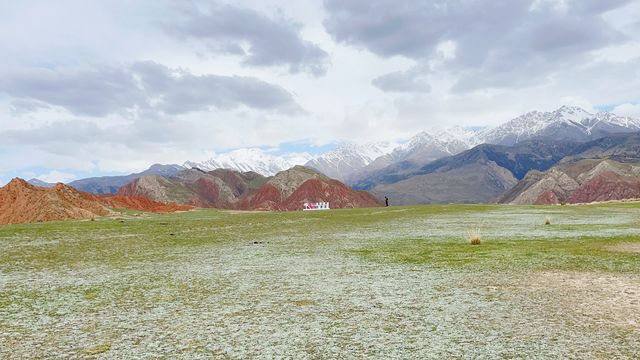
x,y
631,110
56,177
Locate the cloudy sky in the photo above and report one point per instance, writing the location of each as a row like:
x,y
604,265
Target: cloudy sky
x,y
106,87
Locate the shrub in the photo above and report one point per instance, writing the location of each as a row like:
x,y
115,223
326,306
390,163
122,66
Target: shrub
x,y
473,236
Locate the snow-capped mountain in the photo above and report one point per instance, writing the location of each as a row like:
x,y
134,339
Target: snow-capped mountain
x,y
348,159
251,159
421,149
567,122
351,162
444,142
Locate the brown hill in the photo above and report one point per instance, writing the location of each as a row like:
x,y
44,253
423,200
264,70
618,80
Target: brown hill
x,y
219,189
228,189
580,181
141,203
21,202
290,189
333,191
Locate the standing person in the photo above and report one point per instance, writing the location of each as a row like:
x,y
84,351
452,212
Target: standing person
x,y
386,201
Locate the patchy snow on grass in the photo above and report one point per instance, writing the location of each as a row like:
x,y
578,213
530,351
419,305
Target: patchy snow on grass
x,y
220,288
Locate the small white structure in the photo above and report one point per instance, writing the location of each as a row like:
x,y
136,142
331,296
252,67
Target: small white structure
x,y
315,206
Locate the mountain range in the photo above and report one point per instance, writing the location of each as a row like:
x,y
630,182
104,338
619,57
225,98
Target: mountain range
x,y
251,159
486,172
354,163
449,165
111,184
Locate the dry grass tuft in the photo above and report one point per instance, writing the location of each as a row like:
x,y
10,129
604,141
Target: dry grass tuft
x,y
473,236
547,220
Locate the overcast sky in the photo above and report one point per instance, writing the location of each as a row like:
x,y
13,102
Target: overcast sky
x,y
112,86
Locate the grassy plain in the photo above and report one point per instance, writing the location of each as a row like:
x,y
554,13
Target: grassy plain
x,y
398,282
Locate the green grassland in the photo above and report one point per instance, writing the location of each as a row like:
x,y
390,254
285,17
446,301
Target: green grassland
x,y
398,282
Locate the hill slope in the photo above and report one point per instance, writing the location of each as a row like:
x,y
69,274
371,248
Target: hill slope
x,y
21,202
484,172
229,189
581,181
111,184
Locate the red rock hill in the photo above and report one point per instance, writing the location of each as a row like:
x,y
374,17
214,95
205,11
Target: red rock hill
x,y
228,189
21,202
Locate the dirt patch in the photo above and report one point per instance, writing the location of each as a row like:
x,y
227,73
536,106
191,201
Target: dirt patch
x,y
587,299
626,247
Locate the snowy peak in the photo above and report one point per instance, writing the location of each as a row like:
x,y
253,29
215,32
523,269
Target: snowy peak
x,y
567,122
438,143
349,158
251,159
349,161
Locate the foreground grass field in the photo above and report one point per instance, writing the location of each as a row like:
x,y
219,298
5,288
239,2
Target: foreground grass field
x,y
399,282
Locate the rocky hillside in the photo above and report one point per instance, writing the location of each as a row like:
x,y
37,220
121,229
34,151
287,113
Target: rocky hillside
x,y
290,189
566,124
111,184
482,173
21,202
580,181
220,188
140,203
228,189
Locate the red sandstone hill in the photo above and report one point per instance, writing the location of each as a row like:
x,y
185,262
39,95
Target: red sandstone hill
x,y
21,202
228,189
582,181
141,203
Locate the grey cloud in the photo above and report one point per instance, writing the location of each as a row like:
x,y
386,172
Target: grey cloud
x,y
270,42
498,39
93,92
60,137
143,86
403,81
19,106
180,92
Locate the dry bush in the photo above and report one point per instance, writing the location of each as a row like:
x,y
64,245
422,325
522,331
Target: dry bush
x,y
473,236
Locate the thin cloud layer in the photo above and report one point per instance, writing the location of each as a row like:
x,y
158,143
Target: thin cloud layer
x,y
147,86
257,38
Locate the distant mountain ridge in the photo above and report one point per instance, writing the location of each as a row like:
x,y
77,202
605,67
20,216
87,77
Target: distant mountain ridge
x,y
364,165
111,184
251,159
566,123
356,162
349,159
